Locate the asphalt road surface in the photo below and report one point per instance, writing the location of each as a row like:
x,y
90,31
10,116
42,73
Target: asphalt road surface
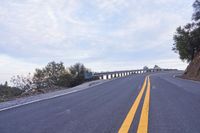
x,y
155,103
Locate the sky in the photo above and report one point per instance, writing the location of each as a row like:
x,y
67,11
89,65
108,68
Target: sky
x,y
104,35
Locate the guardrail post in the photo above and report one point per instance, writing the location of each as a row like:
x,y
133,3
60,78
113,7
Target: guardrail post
x,y
107,77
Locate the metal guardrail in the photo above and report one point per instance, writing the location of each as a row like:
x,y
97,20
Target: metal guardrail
x,y
115,74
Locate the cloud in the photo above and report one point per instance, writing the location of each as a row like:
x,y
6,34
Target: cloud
x,y
106,35
10,66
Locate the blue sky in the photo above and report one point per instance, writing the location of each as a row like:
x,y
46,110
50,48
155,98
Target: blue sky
x,y
105,35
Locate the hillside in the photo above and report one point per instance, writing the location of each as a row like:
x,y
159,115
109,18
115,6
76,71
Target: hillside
x,y
193,69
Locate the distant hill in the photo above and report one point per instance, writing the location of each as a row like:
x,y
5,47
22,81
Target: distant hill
x,y
193,69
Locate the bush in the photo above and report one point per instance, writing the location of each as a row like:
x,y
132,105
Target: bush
x,y
7,92
24,83
78,73
53,74
65,80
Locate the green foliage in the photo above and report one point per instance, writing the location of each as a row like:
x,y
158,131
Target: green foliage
x,y
65,80
196,14
53,71
39,78
7,92
56,74
52,74
78,73
187,38
145,68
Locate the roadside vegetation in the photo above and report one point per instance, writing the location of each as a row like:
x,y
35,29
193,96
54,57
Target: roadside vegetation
x,y
53,76
7,92
187,38
187,44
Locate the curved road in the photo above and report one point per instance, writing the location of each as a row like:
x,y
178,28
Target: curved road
x,y
171,105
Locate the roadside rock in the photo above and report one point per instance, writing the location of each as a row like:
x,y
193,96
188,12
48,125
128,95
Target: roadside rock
x,y
193,69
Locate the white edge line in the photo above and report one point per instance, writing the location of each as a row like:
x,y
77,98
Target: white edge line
x,y
38,100
42,99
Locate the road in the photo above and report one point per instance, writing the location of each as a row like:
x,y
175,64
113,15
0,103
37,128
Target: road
x,y
155,103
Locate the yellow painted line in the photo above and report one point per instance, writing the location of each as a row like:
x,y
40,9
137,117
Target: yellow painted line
x,y
143,124
130,116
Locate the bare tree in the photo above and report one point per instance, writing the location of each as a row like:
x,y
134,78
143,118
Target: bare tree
x,y
24,83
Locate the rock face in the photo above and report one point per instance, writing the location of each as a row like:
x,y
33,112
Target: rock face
x,y
193,69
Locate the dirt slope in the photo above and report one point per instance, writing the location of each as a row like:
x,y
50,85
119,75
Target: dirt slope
x,y
193,69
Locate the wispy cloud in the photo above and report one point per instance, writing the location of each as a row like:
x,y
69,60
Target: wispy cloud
x,y
105,35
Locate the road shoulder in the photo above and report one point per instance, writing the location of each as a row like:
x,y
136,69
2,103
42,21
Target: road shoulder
x,y
32,99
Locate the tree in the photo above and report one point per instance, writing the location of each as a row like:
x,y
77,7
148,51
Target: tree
x,y
156,67
145,68
52,74
182,44
78,73
22,82
65,80
187,41
196,14
39,77
6,84
187,38
55,74
53,71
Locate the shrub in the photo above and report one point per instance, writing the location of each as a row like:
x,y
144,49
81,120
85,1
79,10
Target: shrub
x,y
7,92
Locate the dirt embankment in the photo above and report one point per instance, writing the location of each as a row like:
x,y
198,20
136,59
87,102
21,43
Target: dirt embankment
x,y
193,69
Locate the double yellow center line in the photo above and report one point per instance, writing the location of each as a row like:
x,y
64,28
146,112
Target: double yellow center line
x,y
143,123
